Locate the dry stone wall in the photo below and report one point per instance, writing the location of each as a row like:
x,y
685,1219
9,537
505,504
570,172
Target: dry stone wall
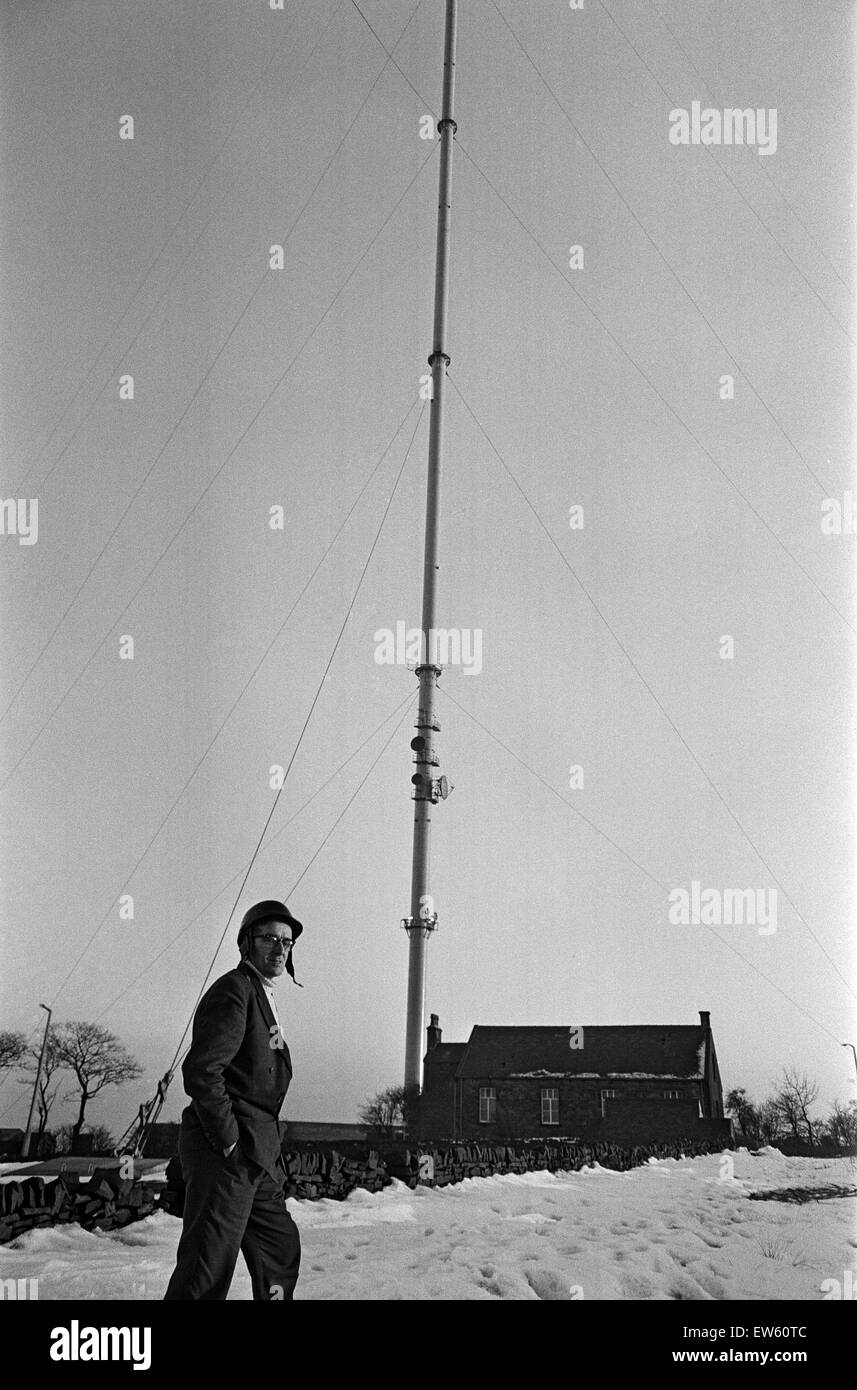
x,y
107,1201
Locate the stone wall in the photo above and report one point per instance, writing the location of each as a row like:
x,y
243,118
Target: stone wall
x,y
107,1201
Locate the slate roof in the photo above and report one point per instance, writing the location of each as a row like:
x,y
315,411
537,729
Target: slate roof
x,y
446,1053
631,1050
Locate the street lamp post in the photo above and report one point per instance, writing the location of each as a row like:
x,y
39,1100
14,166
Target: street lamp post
x,y
25,1147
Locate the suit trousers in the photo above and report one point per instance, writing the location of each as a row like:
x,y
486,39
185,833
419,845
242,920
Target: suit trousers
x,y
232,1204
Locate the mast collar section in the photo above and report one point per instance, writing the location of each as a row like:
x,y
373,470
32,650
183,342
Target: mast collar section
x,y
424,924
438,670
424,720
444,122
439,353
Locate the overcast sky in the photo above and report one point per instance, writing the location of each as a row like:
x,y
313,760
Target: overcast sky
x,y
602,647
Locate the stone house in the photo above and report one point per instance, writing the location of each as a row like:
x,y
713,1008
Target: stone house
x,y
633,1083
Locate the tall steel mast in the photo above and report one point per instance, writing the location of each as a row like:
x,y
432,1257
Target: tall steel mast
x,y
428,788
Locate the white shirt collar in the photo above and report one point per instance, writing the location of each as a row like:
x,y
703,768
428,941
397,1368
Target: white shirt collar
x,y
269,990
269,984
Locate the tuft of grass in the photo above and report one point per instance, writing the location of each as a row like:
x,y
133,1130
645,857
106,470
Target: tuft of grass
x,y
775,1247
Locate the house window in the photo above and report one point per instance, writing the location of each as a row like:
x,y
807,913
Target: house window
x,y
550,1105
671,1095
487,1105
605,1096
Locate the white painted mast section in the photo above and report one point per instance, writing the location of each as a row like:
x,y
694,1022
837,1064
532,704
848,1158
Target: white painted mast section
x,y
427,789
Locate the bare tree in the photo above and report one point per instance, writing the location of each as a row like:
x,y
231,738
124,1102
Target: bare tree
x,y
384,1111
795,1094
102,1140
770,1122
62,1140
97,1058
841,1125
739,1104
13,1047
46,1094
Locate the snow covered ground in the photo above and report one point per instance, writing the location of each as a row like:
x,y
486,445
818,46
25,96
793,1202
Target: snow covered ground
x,y
674,1229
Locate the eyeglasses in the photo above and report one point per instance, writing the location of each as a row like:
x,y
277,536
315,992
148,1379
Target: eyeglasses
x,y
271,940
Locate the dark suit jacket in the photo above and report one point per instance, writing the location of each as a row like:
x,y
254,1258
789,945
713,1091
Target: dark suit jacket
x,y
236,1079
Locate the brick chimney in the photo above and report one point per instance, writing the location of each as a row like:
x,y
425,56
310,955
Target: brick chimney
x,y
433,1034
705,1019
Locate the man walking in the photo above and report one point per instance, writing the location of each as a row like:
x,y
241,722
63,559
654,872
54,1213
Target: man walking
x,y
237,1073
